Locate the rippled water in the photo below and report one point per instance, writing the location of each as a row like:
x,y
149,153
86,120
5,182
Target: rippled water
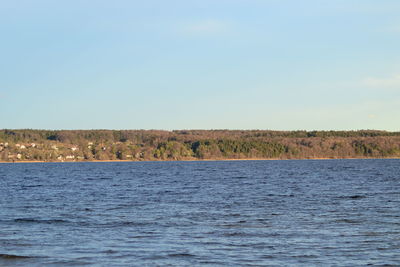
x,y
273,213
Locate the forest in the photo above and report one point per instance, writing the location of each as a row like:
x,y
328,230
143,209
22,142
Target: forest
x,y
145,145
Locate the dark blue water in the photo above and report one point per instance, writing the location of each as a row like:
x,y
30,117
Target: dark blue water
x,y
249,213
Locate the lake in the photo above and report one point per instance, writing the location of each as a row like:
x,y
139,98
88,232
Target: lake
x,y
207,213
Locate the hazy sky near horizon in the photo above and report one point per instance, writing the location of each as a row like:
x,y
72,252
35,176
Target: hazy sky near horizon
x,y
200,64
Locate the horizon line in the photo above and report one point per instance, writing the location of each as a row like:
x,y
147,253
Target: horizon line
x,y
215,129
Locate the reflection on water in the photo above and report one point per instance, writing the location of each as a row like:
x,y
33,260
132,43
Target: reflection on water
x,y
301,213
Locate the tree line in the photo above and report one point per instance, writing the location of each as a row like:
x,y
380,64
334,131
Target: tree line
x,y
136,145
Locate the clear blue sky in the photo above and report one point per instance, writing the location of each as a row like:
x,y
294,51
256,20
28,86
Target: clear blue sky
x,y
200,64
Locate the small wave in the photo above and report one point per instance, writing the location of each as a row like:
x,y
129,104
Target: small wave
x,y
348,167
12,256
268,256
372,233
30,220
130,223
87,209
353,197
31,186
259,245
180,255
234,234
357,197
306,256
233,215
138,236
123,224
109,251
348,221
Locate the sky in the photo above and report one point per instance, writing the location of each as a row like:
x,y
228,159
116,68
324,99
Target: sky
x,y
200,64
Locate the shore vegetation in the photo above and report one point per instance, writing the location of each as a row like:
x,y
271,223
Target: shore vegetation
x,y
140,145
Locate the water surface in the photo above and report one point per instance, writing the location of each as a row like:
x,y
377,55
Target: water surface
x,y
232,213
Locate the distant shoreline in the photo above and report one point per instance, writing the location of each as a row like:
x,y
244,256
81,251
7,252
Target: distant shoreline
x,y
188,145
191,160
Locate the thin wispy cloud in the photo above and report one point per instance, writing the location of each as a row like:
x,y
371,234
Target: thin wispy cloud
x,y
206,27
389,82
393,28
